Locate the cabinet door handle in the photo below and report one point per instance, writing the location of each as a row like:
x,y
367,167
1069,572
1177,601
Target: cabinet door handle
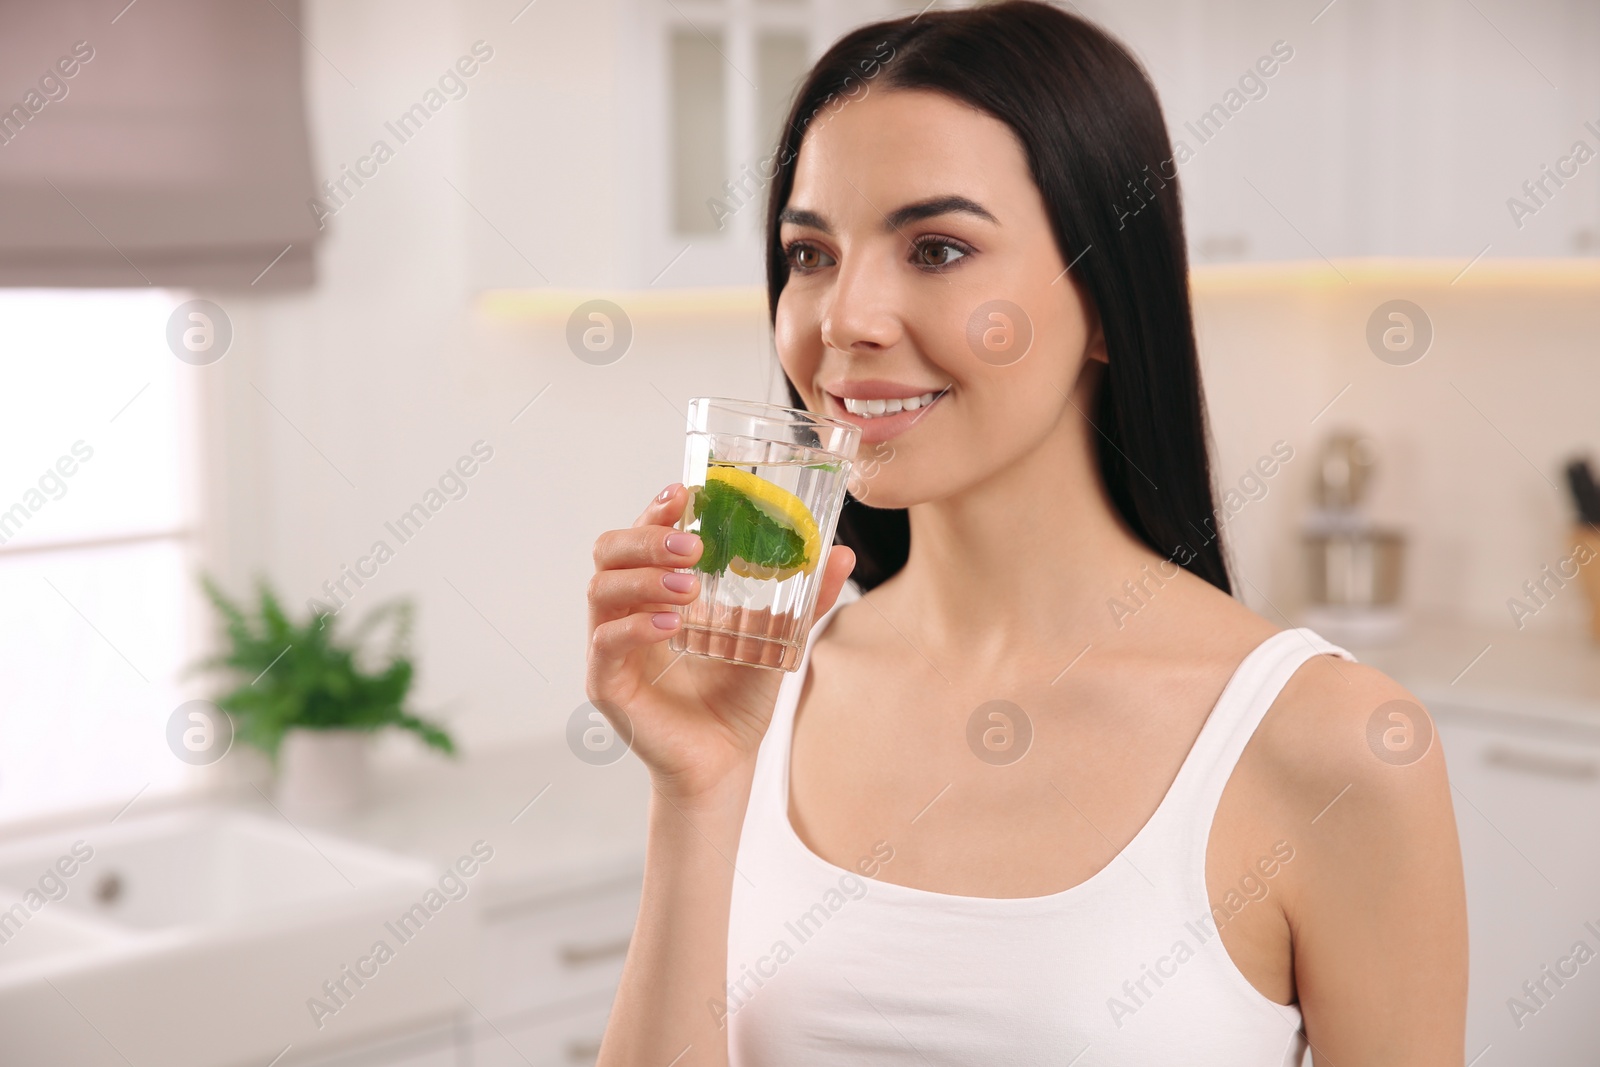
x,y
583,1051
580,955
1512,759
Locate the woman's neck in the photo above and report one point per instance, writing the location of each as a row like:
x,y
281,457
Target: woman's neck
x,y
1029,555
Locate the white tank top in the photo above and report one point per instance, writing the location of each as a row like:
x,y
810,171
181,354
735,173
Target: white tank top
x,y
826,966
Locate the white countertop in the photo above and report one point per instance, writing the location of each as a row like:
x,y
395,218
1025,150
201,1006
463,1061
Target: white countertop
x,y
1551,676
587,827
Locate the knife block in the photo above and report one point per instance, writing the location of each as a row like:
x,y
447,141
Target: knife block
x,y
1589,537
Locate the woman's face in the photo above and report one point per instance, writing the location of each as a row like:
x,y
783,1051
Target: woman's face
x,y
922,264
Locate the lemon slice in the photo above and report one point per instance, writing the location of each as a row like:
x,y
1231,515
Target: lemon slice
x,y
777,530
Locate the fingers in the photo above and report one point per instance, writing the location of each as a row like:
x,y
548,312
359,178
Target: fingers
x,y
613,593
841,561
611,642
651,541
637,583
636,568
667,508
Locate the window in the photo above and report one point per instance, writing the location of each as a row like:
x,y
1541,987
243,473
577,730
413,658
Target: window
x,y
706,85
732,68
97,487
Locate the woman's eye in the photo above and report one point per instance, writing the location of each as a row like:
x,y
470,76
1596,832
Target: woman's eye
x,y
937,254
804,257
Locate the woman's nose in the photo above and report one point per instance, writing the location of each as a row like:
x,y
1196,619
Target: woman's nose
x,y
861,313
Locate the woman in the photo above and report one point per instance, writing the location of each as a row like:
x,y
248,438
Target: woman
x,y
1042,790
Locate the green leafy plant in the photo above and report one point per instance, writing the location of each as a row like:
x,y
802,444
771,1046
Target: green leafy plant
x,y
299,675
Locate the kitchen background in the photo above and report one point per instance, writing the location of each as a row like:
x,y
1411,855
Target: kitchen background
x,y
1440,152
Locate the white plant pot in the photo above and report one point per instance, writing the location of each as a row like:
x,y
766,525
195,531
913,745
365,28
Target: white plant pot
x,y
244,765
322,773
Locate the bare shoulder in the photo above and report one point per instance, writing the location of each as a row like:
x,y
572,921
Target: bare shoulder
x,y
1352,764
850,627
1348,726
1349,762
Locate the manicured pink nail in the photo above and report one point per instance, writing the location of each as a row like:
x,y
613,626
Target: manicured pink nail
x,y
666,494
681,544
677,581
665,620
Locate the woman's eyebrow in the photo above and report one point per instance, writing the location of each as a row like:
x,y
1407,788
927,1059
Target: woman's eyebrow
x,y
801,217
902,216
938,205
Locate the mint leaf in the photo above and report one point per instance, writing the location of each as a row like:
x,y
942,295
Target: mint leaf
x,y
730,525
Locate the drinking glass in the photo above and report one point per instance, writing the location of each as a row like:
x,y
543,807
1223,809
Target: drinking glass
x,y
766,484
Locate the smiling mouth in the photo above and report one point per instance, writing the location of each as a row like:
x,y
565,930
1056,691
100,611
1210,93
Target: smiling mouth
x,y
874,409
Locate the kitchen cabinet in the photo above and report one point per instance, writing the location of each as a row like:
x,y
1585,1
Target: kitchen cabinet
x,y
1391,130
547,972
709,83
566,1042
1527,799
434,1046
1381,130
547,952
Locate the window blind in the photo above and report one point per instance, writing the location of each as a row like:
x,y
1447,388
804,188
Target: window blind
x,y
160,143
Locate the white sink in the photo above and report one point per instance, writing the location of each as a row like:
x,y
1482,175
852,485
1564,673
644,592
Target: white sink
x,y
200,938
47,934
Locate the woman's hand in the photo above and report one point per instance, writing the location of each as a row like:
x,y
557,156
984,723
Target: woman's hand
x,y
697,726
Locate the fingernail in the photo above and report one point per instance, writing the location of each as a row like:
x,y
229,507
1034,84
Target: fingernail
x,y
681,544
677,581
666,494
665,620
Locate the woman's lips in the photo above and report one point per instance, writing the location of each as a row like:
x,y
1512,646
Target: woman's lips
x,y
883,427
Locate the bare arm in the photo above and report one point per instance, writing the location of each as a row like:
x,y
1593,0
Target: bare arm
x,y
1378,906
668,1008
697,728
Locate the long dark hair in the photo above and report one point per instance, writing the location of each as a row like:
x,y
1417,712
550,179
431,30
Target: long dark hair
x,y
1098,150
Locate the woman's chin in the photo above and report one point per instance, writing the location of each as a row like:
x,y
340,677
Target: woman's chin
x,y
881,496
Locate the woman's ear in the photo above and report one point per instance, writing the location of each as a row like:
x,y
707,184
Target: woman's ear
x,y
1096,347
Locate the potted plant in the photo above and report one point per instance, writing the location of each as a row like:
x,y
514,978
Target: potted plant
x,y
307,699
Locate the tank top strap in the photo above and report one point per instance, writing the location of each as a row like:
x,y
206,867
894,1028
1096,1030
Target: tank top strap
x,y
1245,700
769,799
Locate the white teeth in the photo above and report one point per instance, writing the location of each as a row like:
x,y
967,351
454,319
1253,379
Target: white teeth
x,y
872,409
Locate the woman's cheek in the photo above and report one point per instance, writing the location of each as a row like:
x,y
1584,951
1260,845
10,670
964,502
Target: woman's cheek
x,y
798,340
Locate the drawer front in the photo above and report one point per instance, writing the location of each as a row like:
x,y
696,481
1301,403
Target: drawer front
x,y
439,1047
569,949
1527,805
569,1042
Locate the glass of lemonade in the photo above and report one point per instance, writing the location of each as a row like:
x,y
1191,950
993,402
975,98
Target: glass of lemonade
x,y
766,485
